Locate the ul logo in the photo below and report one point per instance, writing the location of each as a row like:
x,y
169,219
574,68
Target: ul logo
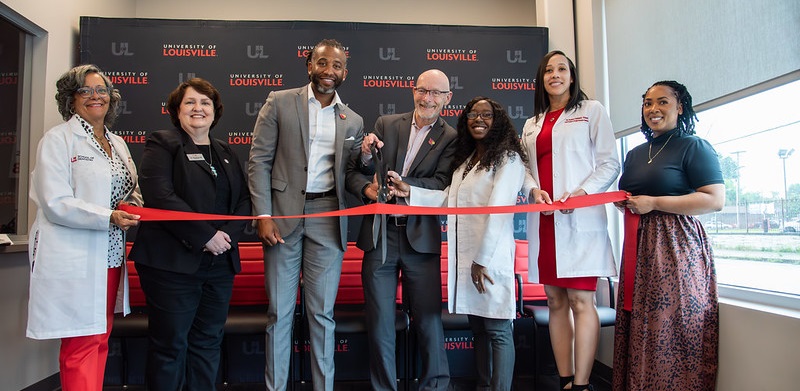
x,y
390,54
515,112
257,52
387,109
252,348
252,108
515,57
121,50
189,75
454,83
123,107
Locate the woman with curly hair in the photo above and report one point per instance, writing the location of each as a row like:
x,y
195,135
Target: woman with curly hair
x,y
489,168
77,249
667,331
573,152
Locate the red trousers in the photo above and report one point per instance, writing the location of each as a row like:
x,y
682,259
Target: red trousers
x,y
82,360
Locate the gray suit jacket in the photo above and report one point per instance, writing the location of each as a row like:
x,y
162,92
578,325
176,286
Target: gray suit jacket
x,y
278,163
430,169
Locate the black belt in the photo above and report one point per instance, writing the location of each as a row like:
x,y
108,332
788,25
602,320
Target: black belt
x,y
314,196
397,221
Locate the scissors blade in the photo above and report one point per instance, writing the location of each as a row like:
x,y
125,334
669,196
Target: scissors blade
x,y
383,238
381,173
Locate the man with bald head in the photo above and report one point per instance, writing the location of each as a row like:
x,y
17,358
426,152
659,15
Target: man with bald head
x,y
419,145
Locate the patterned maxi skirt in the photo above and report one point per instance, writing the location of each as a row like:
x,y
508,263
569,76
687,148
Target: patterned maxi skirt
x,y
669,341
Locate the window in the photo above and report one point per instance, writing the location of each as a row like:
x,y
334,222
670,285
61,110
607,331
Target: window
x,y
11,40
756,236
18,38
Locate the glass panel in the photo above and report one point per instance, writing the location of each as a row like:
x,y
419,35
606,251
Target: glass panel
x,y
756,236
10,46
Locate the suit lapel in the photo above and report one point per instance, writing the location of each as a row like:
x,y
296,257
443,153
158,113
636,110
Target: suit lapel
x,y
227,164
190,148
340,122
302,114
404,133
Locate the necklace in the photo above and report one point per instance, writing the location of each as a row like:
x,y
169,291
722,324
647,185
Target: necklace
x,y
650,149
102,141
210,161
470,164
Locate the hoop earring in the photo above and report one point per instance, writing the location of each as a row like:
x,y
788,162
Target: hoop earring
x,y
69,106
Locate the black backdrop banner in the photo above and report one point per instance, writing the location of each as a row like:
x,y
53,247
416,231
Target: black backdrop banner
x,y
245,60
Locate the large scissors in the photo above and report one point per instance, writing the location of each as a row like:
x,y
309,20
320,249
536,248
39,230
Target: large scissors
x,y
382,177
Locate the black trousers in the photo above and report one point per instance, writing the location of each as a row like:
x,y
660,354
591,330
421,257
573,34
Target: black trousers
x,y
186,315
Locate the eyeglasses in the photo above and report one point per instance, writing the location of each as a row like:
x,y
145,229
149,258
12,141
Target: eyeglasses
x,y
87,92
434,93
486,115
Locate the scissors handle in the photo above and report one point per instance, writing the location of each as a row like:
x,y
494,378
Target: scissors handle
x,y
382,173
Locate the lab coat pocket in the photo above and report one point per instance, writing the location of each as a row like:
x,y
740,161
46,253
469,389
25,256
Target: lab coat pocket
x,y
61,253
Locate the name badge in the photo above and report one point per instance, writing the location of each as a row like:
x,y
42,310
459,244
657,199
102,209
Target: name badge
x,y
193,157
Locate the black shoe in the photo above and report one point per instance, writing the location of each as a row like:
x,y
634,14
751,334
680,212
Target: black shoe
x,y
566,381
580,387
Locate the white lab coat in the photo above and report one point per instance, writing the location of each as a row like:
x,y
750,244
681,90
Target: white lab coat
x,y
486,239
68,249
584,157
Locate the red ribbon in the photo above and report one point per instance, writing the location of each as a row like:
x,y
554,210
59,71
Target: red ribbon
x,y
630,246
150,214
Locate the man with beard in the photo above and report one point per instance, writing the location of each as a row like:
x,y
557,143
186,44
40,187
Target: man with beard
x,y
419,145
297,166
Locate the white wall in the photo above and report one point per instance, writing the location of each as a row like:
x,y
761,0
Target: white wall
x,y
23,361
759,348
453,12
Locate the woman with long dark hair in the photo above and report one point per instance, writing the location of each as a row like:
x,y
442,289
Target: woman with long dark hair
x,y
489,167
573,152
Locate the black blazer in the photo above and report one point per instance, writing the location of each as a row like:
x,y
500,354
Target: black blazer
x,y
170,180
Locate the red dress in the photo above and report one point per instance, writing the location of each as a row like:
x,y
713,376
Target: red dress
x,y
547,228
